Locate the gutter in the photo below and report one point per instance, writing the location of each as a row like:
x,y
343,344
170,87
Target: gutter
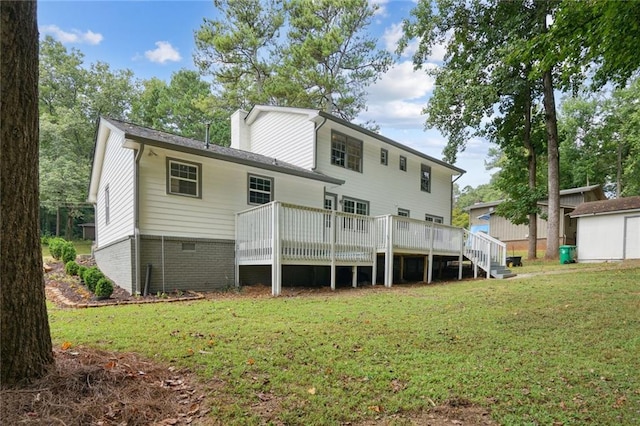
x,y
451,197
136,217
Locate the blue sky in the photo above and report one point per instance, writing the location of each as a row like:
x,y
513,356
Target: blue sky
x,y
156,38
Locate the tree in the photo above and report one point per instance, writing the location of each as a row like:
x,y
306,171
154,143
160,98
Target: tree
x,y
26,350
323,60
72,98
484,89
184,106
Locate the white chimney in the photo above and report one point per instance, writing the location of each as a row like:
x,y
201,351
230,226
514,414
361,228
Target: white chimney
x,y
240,131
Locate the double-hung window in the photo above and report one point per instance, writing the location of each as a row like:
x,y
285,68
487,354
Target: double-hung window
x,y
351,205
346,152
384,156
184,178
260,189
425,178
403,163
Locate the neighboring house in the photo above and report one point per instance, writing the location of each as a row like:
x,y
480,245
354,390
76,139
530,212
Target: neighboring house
x,y
608,230
482,218
166,207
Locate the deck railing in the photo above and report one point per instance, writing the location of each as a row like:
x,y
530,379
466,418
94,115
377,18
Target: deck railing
x,y
254,235
417,235
484,250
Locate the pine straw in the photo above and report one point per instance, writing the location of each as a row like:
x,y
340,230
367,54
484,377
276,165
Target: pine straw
x,y
89,386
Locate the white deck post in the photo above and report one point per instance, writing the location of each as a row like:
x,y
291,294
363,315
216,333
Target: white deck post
x,y
354,276
430,273
332,237
388,257
460,257
276,255
489,265
374,267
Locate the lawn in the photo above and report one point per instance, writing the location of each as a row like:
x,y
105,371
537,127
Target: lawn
x,y
551,349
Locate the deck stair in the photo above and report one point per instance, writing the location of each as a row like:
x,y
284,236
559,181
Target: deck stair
x,y
488,254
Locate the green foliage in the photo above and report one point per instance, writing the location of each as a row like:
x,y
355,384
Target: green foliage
x,y
300,53
104,288
91,277
81,271
56,245
68,252
550,348
71,267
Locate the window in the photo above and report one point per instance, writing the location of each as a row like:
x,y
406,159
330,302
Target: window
x,y
430,218
330,201
346,152
260,189
425,178
384,156
403,163
350,205
188,246
106,205
403,212
183,178
402,224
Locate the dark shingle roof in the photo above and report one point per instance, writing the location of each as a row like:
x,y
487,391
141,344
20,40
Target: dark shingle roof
x,y
179,143
607,206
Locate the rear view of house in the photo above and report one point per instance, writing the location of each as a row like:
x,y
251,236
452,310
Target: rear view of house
x,y
168,207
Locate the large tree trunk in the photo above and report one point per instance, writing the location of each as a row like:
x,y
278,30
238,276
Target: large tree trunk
x,y
532,168
551,122
26,350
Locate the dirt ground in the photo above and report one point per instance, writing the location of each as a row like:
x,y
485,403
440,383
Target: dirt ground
x,y
95,387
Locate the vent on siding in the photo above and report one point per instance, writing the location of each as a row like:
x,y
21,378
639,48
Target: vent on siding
x,y
188,246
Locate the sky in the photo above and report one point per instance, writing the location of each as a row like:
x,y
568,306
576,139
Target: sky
x,y
156,38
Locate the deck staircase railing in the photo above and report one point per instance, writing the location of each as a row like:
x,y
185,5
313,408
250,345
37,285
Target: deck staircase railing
x,y
487,253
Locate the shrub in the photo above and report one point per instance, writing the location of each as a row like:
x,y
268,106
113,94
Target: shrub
x,y
71,267
91,277
68,252
55,247
104,288
81,271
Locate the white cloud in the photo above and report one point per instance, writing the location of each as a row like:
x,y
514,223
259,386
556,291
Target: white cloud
x,y
75,36
164,52
402,82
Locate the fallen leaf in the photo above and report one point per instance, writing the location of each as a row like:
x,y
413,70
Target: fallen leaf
x,y
375,408
312,391
251,361
66,345
189,352
110,365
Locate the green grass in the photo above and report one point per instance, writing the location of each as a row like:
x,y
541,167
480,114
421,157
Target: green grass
x,y
553,348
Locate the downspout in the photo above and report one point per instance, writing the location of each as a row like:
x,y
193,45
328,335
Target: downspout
x,y
315,144
451,198
136,218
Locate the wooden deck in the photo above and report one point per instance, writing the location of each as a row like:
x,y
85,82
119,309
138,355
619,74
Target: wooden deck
x,y
279,234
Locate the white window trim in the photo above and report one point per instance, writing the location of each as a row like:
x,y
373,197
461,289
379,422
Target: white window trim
x,y
271,192
198,179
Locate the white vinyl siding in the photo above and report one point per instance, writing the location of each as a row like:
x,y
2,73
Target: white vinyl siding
x,y
284,136
118,175
386,187
224,193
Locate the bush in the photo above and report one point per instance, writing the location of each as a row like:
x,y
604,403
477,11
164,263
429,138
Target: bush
x,y
81,271
71,267
68,252
55,247
104,288
91,278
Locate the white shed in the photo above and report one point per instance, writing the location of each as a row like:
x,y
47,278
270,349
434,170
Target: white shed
x,y
608,230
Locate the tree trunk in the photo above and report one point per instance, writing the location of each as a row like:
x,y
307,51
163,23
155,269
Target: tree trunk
x,y
25,350
551,123
57,221
532,168
619,171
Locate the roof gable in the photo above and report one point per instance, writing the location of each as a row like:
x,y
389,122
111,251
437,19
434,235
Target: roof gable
x,y
607,206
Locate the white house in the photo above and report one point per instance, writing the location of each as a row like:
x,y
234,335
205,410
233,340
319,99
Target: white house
x,y
608,230
176,213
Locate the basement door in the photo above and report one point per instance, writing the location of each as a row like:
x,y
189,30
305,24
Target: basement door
x,y
632,237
